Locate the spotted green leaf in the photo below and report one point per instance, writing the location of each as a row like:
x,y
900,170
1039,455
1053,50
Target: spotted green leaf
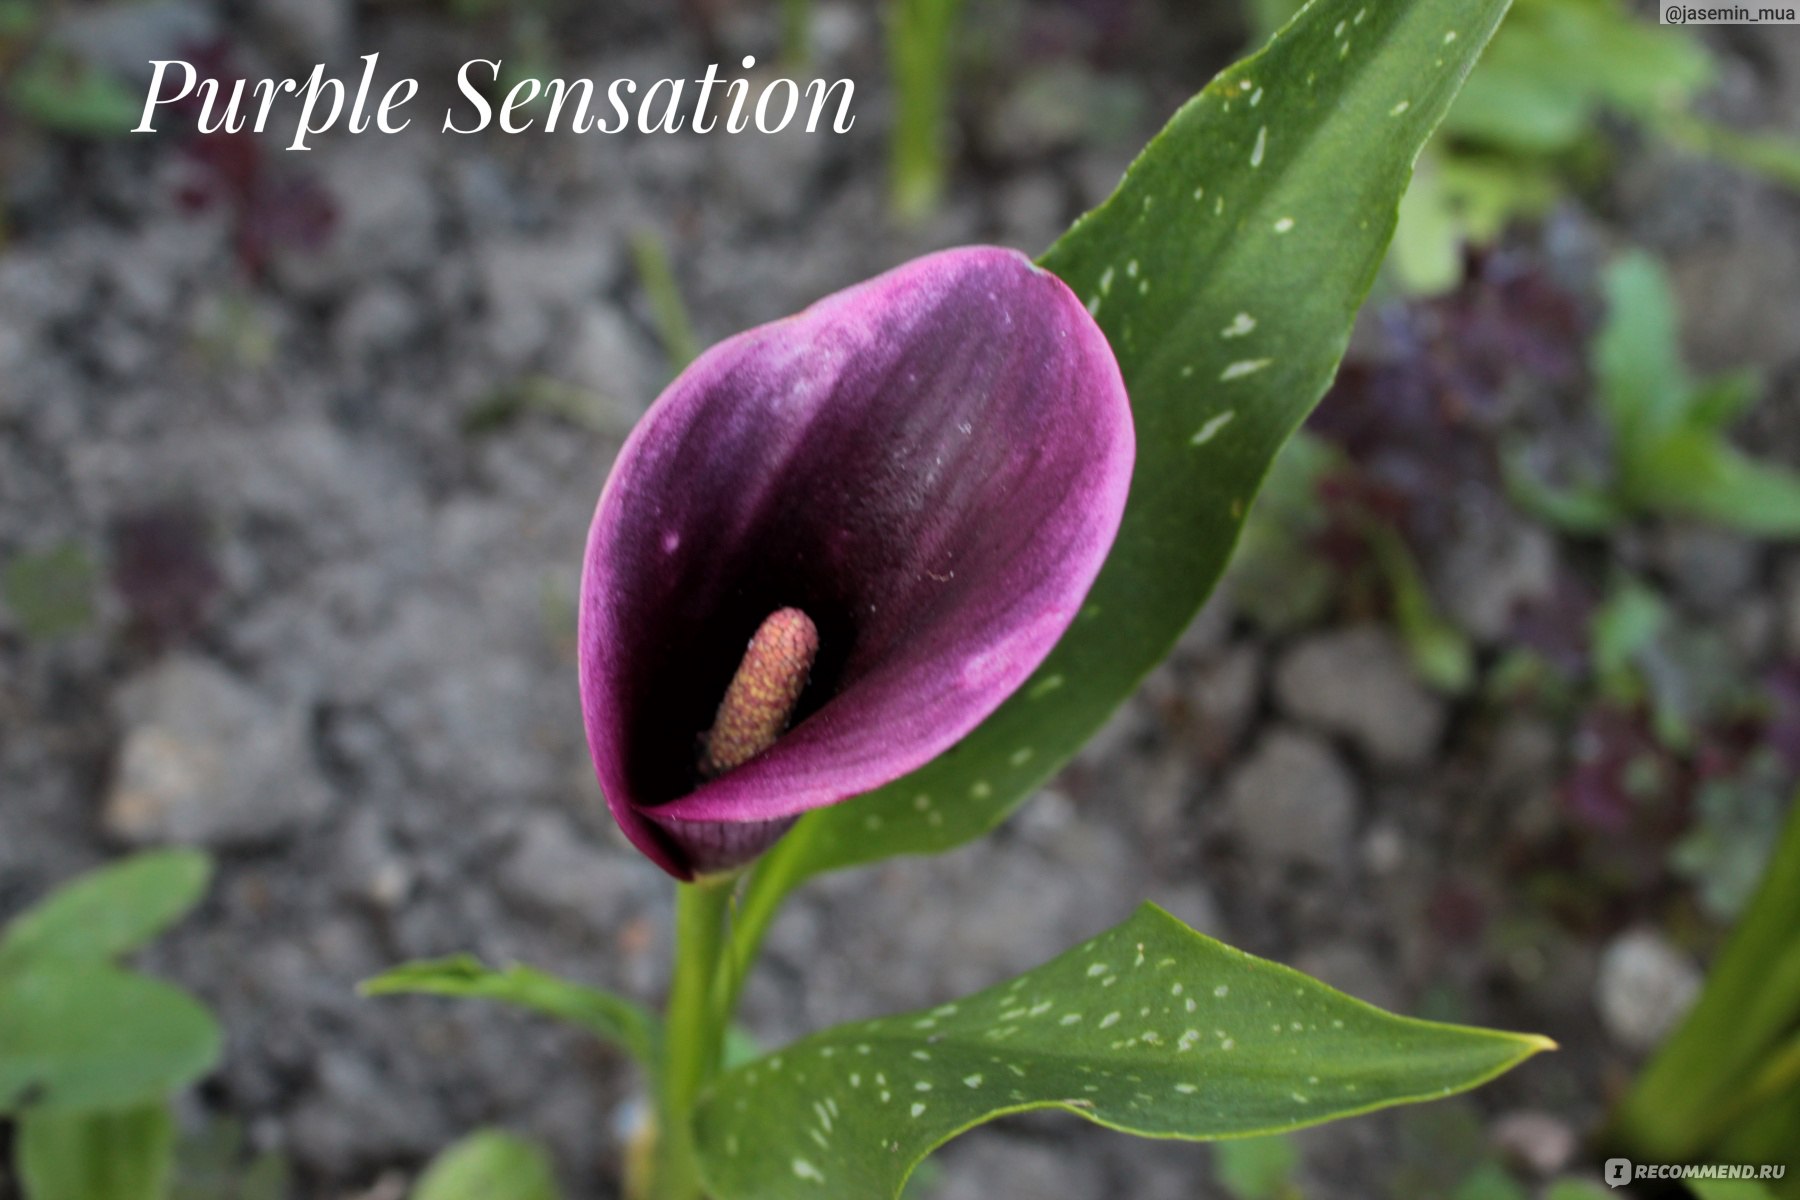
x,y
1149,1028
1226,271
608,1017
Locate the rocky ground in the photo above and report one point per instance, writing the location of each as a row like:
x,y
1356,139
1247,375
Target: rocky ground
x,y
332,426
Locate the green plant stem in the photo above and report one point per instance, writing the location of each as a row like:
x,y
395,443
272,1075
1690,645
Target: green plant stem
x,y
695,1032
796,32
921,36
666,306
775,875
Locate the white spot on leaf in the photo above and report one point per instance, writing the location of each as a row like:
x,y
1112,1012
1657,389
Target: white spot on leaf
x,y
1248,366
1205,435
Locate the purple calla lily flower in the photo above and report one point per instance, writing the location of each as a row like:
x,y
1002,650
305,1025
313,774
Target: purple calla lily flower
x,y
897,499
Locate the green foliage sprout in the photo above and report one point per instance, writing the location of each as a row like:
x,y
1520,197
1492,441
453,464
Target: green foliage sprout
x,y
1671,454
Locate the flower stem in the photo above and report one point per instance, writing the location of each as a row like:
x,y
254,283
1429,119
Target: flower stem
x,y
695,1032
771,880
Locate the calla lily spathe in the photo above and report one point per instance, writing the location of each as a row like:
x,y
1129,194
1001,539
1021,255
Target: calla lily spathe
x,y
930,466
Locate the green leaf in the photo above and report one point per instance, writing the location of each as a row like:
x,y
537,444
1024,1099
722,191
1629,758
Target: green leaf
x,y
64,93
1576,1189
1736,825
1635,66
1257,1168
608,1017
1729,1189
1672,456
1489,1181
1724,399
489,1165
1765,1134
78,1035
1585,508
1691,1091
1226,271
18,18
1488,194
1440,654
51,592
1427,254
1622,631
1637,359
1278,579
1696,473
110,911
1557,63
1771,155
1149,1028
1514,103
121,1155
